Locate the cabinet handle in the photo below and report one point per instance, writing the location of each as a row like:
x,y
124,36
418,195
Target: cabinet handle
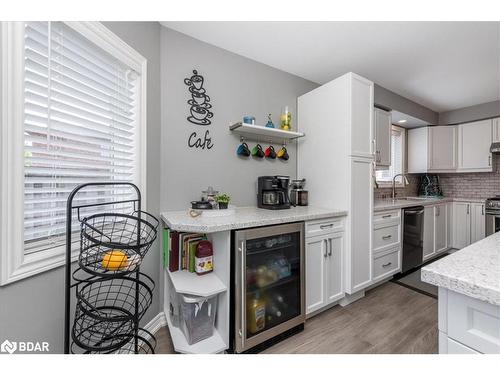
x,y
324,226
330,247
387,264
387,237
326,248
482,209
386,216
468,208
489,161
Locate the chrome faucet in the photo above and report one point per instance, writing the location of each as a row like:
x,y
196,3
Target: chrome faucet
x,y
405,181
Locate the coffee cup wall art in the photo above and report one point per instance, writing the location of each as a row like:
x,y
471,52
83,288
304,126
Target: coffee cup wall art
x,y
200,113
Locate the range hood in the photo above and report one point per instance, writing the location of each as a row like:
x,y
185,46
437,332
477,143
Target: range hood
x,y
495,148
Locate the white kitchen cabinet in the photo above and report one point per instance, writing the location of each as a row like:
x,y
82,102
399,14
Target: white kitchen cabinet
x,y
334,263
316,250
383,129
324,276
435,230
469,223
428,245
338,120
474,141
440,228
478,222
496,129
442,148
432,149
461,224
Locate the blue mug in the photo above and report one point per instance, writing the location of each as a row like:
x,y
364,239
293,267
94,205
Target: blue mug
x,y
243,150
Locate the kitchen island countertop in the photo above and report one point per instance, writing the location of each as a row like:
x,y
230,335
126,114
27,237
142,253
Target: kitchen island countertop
x,y
244,217
473,271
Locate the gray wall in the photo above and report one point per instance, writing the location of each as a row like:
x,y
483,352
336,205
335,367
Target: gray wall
x,y
237,86
472,113
33,309
390,100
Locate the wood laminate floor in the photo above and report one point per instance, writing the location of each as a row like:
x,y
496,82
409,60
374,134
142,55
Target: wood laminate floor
x,y
389,319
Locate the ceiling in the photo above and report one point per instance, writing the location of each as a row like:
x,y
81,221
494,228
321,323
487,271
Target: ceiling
x,y
441,65
408,121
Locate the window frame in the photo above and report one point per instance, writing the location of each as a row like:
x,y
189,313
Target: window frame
x,y
14,263
384,183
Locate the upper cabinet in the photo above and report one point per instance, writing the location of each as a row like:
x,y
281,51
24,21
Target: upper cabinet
x,y
361,114
382,137
496,129
451,148
442,148
474,141
432,149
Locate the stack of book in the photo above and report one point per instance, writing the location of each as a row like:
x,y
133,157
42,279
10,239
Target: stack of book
x,y
179,249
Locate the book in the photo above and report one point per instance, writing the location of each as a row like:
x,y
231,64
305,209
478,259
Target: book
x,y
166,247
174,252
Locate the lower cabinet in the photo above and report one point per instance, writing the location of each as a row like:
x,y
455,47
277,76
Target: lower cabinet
x,y
435,230
386,263
324,277
468,223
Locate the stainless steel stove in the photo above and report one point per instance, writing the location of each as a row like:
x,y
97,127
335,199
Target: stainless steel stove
x,y
492,215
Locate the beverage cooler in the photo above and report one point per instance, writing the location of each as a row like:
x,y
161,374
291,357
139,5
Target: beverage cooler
x,y
268,284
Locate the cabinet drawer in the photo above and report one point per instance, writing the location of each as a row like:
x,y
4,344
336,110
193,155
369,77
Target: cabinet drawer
x,y
386,264
321,227
474,323
383,217
457,348
386,236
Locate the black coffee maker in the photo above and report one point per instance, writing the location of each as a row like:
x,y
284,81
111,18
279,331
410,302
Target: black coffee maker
x,y
272,192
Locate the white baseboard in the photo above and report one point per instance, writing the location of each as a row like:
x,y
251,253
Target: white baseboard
x,y
156,323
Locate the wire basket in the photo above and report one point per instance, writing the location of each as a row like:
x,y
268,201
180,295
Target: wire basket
x,y
97,335
115,243
146,344
114,299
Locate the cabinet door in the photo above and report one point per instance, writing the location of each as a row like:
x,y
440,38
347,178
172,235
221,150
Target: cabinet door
x,y
429,218
461,224
383,128
496,129
440,228
334,261
361,111
474,141
359,260
316,257
442,148
478,222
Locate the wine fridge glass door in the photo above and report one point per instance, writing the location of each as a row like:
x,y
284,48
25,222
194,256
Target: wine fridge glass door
x,y
270,288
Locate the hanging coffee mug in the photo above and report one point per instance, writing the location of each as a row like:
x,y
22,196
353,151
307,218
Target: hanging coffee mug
x,y
283,154
270,153
257,151
243,150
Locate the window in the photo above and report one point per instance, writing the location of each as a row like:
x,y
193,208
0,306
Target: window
x,y
397,157
75,114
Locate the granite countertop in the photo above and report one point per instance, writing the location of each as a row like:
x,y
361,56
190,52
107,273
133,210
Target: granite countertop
x,y
244,217
473,271
388,204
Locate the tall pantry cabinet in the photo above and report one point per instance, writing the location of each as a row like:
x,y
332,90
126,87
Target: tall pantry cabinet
x,y
336,158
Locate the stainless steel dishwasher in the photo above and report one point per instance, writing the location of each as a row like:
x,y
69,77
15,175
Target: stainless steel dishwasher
x,y
413,237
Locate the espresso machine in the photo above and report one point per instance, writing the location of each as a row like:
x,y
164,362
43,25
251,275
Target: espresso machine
x,y
272,192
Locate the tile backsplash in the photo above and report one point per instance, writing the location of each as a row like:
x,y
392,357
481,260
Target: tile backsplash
x,y
455,185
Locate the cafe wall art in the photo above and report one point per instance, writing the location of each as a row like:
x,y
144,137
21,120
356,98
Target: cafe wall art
x,y
199,111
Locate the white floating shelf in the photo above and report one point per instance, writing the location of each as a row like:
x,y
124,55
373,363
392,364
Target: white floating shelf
x,y
261,133
201,285
212,345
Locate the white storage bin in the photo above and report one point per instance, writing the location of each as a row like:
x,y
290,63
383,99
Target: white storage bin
x,y
197,317
174,308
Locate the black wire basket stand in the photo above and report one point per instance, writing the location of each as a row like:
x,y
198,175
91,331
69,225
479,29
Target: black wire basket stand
x,y
112,295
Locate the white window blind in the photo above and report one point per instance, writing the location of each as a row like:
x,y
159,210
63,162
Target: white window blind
x,y
80,125
397,157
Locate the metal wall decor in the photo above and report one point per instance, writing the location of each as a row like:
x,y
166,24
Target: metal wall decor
x,y
200,113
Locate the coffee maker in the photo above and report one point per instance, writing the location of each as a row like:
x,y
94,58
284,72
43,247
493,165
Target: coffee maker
x,y
272,192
